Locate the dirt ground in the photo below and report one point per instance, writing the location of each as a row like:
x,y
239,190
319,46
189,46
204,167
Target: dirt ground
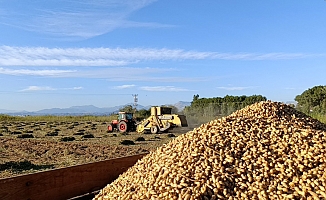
x,y
28,147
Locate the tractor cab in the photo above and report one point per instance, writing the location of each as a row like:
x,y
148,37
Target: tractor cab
x,y
123,116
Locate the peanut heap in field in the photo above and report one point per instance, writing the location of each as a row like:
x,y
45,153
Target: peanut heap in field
x,y
265,151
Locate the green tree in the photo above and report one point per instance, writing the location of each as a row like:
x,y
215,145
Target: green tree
x,y
312,100
142,114
202,110
196,97
220,106
127,109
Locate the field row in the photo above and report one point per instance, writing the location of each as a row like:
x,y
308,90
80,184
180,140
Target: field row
x,y
26,147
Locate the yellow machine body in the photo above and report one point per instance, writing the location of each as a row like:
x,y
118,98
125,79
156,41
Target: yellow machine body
x,y
161,120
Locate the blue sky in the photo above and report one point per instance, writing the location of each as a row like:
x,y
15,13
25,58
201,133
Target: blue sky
x,y
66,53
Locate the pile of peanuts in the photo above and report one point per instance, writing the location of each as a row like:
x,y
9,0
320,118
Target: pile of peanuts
x,y
265,151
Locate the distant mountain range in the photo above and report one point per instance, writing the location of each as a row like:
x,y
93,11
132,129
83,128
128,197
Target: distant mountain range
x,y
181,105
84,110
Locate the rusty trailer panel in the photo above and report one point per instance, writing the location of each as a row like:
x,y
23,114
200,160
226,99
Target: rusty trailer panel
x,y
65,183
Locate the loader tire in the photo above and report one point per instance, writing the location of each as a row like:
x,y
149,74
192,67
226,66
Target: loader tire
x,y
154,129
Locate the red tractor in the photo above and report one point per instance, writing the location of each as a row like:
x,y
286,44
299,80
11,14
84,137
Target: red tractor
x,y
124,123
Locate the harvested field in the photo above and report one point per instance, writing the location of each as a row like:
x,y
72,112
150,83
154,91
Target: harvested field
x,y
51,146
265,151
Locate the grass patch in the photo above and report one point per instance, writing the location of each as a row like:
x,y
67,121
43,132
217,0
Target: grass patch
x,y
319,117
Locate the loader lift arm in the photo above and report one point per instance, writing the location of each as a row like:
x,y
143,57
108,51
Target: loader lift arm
x,y
161,120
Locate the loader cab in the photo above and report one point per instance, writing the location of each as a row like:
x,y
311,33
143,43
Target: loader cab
x,y
158,110
123,116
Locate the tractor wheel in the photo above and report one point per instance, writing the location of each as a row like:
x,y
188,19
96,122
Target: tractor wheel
x,y
122,126
154,129
110,128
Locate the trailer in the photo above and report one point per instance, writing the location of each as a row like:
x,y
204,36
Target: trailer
x,y
76,182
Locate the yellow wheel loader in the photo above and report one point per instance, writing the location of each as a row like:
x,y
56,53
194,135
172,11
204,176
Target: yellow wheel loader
x,y
161,120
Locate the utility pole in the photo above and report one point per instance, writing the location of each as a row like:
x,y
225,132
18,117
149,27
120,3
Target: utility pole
x,y
135,100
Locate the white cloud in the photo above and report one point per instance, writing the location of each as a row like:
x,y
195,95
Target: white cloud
x,y
77,88
111,74
234,88
38,88
77,19
122,73
42,56
18,72
123,87
163,89
145,77
73,88
47,88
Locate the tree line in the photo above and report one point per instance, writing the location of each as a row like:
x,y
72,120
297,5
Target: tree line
x,y
312,101
220,106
